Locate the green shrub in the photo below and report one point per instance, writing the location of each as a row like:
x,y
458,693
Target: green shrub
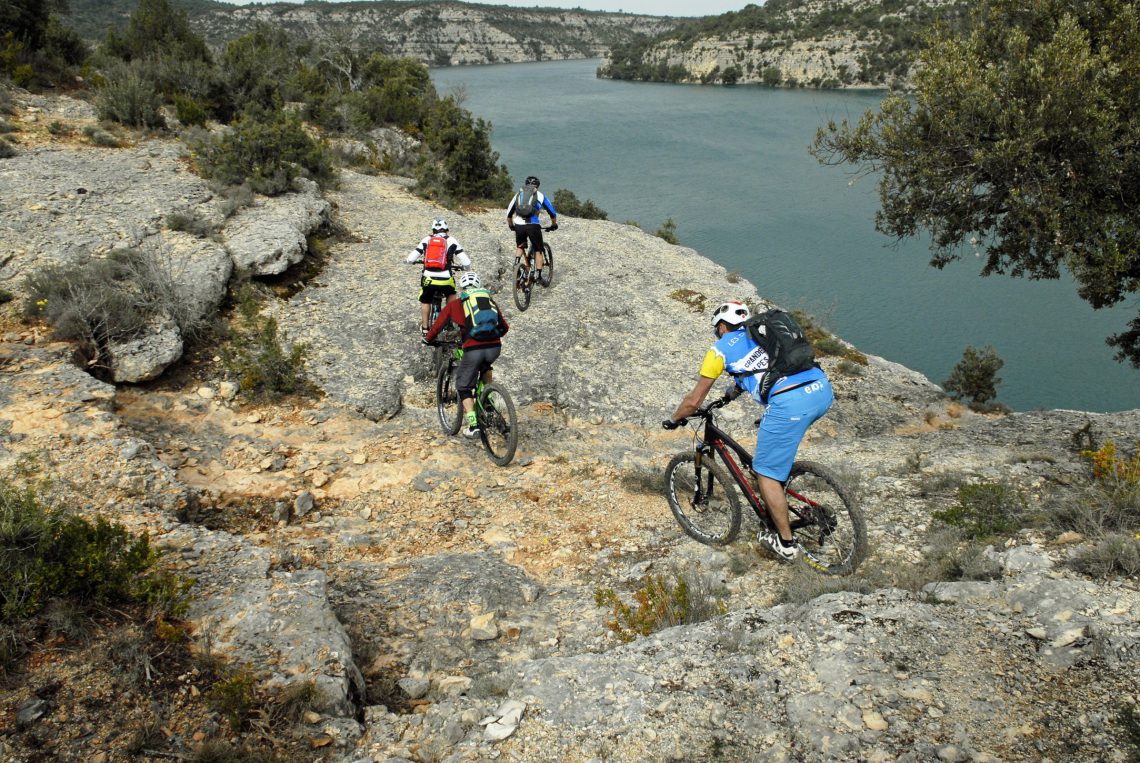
x,y
100,301
100,137
234,697
984,510
6,296
267,151
668,231
458,164
7,150
659,604
975,377
567,203
129,96
190,111
49,554
255,357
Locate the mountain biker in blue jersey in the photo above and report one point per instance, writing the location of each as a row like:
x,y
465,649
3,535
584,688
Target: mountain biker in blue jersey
x,y
522,218
794,403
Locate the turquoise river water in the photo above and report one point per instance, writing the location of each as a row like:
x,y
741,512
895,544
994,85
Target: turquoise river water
x,y
730,166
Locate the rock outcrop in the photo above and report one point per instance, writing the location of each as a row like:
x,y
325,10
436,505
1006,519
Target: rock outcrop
x,y
62,204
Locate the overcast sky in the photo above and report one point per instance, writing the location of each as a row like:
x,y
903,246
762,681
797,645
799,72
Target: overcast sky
x,y
652,7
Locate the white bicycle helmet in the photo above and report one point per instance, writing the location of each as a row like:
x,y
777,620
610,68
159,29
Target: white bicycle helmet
x,y
469,280
439,225
732,313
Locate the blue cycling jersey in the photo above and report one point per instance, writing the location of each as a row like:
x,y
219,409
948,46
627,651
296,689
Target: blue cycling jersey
x,y
737,354
543,203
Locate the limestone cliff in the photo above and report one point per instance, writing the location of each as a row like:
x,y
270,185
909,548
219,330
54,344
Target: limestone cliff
x,y
795,43
436,33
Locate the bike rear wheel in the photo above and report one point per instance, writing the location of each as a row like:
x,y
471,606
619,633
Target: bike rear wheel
x,y
547,266
498,425
828,525
522,287
703,500
447,405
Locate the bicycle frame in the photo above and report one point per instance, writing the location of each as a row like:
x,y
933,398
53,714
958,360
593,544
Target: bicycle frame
x,y
717,440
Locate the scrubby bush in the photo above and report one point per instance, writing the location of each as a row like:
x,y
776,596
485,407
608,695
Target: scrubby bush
x,y
190,111
975,377
661,603
100,137
266,150
824,342
129,96
7,150
668,231
99,301
567,203
255,357
48,554
985,510
157,30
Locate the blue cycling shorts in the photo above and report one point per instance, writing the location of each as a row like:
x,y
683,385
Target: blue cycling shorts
x,y
784,425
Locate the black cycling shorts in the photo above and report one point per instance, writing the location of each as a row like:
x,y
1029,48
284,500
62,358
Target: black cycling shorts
x,y
430,288
475,361
532,231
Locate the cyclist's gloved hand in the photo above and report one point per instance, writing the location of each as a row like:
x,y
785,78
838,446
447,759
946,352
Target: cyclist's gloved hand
x,y
553,225
670,424
731,393
511,224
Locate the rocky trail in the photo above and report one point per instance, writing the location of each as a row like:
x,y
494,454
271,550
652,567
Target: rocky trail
x,y
445,606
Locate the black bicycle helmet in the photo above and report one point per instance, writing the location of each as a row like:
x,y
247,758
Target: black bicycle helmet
x,y
532,180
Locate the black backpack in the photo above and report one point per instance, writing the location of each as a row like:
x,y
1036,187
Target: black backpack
x,y
528,201
789,351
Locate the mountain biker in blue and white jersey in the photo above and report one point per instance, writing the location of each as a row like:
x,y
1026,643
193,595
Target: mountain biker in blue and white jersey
x,y
527,226
794,403
439,253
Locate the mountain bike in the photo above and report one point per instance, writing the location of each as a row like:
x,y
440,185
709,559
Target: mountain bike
x,y
494,409
825,520
524,273
448,334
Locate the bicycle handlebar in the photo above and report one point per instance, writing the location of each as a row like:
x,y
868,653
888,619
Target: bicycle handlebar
x,y
704,412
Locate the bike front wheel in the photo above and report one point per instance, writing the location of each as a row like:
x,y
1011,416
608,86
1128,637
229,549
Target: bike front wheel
x,y
498,424
702,499
522,287
547,266
827,523
447,405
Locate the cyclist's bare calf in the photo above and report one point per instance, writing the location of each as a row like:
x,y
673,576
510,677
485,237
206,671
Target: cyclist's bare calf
x,y
425,310
772,493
